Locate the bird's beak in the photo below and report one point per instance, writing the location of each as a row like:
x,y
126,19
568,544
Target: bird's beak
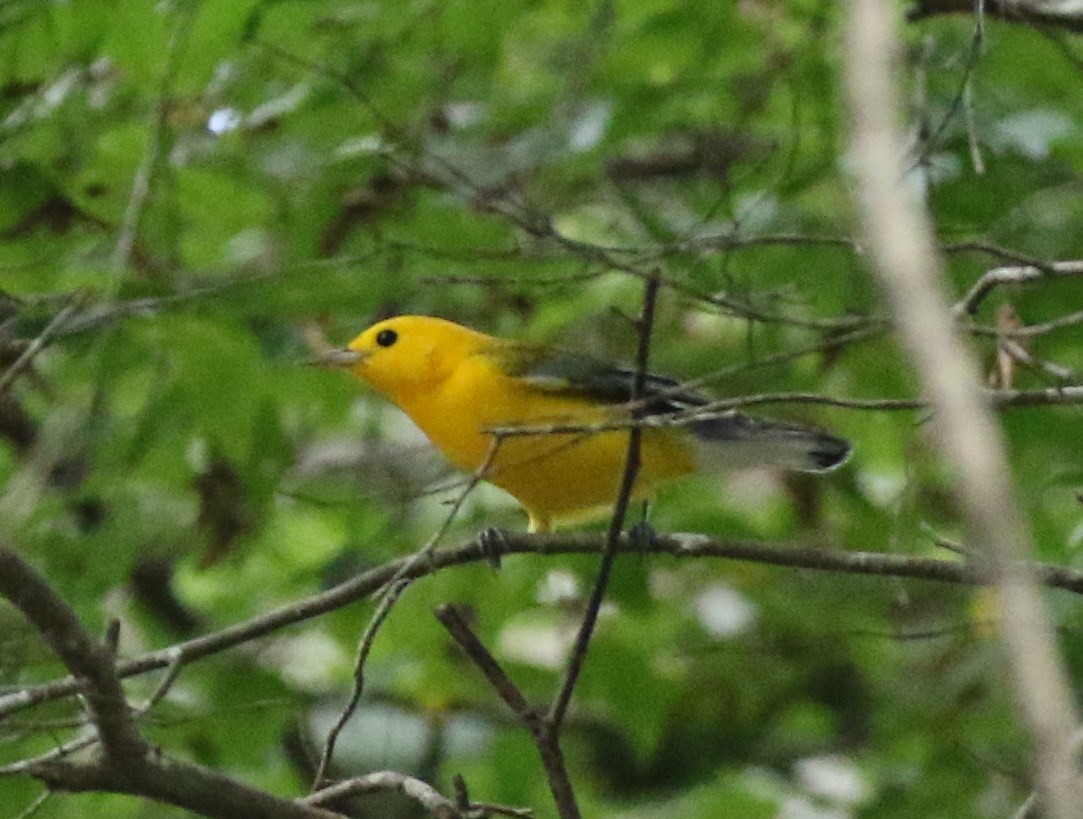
x,y
338,358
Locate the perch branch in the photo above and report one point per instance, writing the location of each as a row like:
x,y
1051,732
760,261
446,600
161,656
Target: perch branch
x,y
686,546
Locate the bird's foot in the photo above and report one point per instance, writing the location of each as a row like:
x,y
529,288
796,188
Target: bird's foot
x,y
642,537
492,541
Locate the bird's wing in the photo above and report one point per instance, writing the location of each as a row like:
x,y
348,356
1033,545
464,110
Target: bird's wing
x,y
735,438
566,373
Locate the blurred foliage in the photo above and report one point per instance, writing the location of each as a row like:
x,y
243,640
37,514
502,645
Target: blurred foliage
x,y
200,190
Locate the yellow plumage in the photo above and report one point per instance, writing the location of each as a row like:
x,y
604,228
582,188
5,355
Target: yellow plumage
x,y
456,383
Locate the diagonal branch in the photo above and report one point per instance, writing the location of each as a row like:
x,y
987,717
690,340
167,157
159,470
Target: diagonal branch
x,y
87,659
390,597
127,763
546,739
903,251
616,522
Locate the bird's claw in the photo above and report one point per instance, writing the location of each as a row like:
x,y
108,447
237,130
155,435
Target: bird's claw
x,y
492,541
642,536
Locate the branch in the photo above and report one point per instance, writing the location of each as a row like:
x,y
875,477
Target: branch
x,y
541,727
183,784
999,399
154,155
127,764
689,545
900,240
394,591
39,342
645,325
390,594
85,658
1060,13
1018,274
421,792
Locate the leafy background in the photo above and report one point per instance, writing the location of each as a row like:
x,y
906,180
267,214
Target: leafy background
x,y
195,196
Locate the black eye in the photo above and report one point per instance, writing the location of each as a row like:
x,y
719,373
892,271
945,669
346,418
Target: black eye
x,y
385,338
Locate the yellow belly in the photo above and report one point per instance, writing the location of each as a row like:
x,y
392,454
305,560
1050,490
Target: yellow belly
x,y
561,479
557,478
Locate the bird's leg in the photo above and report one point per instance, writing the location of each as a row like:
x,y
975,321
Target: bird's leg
x,y
492,540
641,533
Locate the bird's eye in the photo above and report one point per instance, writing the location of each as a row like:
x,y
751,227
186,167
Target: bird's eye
x,y
385,338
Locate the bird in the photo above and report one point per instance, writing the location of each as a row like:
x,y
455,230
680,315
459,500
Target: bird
x,y
458,385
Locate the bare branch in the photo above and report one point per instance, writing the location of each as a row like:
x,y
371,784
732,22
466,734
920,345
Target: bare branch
x,y
387,602
456,624
1028,330
692,545
645,326
1000,399
127,764
390,594
546,737
1004,254
59,752
464,803
173,671
59,626
32,808
156,148
1060,13
39,342
1017,352
183,784
900,240
421,792
1020,274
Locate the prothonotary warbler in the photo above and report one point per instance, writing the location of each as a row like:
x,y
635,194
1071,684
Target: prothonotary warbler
x,y
457,384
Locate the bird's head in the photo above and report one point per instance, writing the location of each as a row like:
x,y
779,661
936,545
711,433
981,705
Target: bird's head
x,y
403,355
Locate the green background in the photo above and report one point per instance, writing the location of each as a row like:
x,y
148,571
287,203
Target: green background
x,y
211,190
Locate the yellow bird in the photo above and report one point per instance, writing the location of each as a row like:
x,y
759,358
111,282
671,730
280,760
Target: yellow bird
x,y
458,384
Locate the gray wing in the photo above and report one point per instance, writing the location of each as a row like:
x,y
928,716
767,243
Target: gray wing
x,y
731,438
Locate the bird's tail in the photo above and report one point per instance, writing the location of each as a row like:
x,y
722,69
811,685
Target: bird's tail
x,y
734,440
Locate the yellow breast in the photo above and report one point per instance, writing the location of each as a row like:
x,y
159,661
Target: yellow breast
x,y
556,477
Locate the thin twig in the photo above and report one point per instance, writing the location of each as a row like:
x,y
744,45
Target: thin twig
x,y
1051,368
1031,13
1027,330
465,805
421,792
387,602
1004,254
152,161
452,619
39,342
616,522
61,751
957,101
389,596
32,808
1021,274
173,671
1000,399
